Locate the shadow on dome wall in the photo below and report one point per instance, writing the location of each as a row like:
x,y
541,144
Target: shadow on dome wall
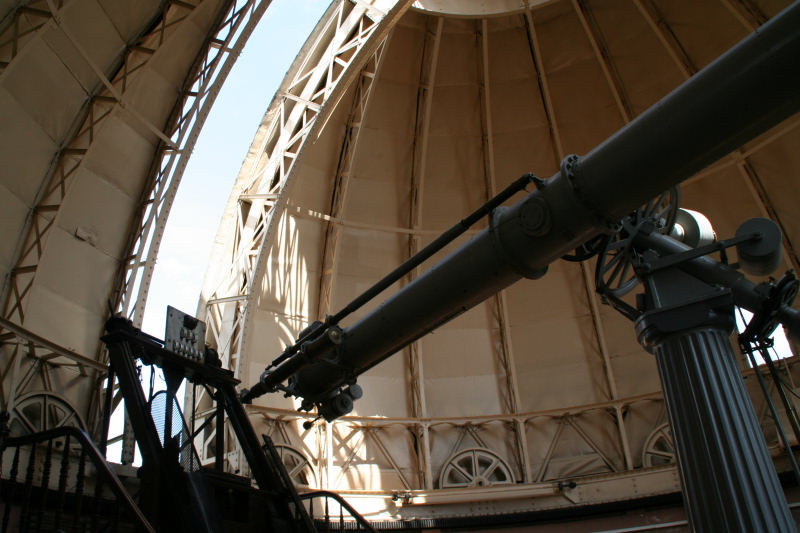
x,y
286,298
286,287
517,235
685,289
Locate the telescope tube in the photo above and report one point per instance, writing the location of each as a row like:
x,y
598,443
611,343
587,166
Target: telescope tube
x,y
743,93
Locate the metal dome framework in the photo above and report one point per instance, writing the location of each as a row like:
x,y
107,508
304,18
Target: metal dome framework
x,y
122,104
94,168
270,210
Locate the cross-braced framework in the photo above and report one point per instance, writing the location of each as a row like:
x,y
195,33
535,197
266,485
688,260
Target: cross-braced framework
x,y
110,92
564,444
20,24
212,68
231,30
346,49
215,62
32,365
350,44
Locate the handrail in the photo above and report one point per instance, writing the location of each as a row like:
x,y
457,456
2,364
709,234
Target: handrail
x,y
96,457
360,520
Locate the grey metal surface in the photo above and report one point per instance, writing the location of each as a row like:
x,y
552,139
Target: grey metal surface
x,y
728,477
185,335
744,291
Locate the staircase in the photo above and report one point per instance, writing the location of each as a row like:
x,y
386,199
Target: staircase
x,y
58,480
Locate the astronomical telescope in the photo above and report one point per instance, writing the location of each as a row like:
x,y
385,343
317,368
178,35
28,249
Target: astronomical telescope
x,y
743,93
611,203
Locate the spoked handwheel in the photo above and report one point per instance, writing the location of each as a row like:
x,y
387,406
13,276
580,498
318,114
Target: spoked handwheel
x,y
297,466
39,411
475,467
659,448
615,275
587,250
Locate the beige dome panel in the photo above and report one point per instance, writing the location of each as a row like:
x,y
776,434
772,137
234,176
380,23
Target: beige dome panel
x,y
454,104
101,103
396,120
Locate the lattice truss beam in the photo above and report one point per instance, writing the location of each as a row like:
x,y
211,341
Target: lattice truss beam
x,y
348,49
537,447
215,62
232,27
110,92
223,48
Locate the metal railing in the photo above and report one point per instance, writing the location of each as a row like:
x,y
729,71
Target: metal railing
x,y
324,518
58,480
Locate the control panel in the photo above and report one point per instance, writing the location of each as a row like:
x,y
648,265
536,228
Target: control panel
x,y
185,335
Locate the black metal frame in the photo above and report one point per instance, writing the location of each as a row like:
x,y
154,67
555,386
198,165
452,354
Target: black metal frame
x,y
167,485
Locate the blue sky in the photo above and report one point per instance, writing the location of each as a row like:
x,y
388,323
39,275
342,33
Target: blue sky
x,y
218,155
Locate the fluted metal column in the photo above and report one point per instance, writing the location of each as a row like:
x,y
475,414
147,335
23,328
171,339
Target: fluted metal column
x,y
728,478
